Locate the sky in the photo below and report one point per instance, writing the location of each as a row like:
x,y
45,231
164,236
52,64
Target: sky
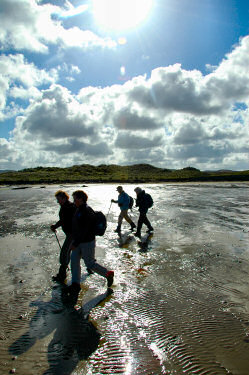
x,y
164,82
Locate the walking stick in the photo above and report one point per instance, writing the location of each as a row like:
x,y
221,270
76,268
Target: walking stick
x,y
108,210
57,240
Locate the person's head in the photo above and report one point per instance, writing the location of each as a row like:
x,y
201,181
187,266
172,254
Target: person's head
x,y
119,189
137,190
79,197
61,197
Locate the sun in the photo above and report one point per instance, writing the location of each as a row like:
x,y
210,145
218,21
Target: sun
x,y
119,15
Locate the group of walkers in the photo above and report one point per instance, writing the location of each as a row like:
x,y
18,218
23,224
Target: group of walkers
x,y
143,202
78,222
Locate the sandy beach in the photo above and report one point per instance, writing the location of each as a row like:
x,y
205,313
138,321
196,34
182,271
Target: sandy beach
x,y
180,296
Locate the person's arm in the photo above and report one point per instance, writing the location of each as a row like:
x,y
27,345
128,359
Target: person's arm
x,y
121,199
55,226
138,201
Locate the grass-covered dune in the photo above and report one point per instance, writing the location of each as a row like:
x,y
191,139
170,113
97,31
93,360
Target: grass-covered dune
x,y
114,173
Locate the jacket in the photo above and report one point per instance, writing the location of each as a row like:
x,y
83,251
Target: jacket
x,y
141,202
66,214
123,201
83,225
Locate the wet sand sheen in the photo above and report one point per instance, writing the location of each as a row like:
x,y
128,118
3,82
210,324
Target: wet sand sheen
x,y
180,301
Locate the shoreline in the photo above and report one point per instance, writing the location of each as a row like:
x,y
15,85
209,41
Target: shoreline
x,y
25,185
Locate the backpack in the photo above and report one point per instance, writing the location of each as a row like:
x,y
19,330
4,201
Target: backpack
x,y
131,202
148,200
100,223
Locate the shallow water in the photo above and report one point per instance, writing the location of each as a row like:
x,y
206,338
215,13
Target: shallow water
x,y
180,296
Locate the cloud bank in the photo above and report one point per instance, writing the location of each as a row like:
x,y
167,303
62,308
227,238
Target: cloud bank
x,y
172,118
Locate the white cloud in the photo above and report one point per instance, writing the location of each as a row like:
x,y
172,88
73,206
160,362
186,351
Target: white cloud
x,y
28,25
4,85
18,79
57,115
173,89
15,68
172,119
68,71
8,157
24,93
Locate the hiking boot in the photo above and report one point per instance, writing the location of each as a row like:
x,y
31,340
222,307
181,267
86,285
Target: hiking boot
x,y
133,226
109,277
73,289
118,229
90,272
137,234
150,230
59,278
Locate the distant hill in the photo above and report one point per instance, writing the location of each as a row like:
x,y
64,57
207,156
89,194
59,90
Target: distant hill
x,y
5,170
138,173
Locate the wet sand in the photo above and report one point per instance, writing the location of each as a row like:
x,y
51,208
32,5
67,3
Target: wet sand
x,y
180,296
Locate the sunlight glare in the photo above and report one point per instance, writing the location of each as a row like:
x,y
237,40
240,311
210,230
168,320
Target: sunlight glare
x,y
122,70
122,41
120,14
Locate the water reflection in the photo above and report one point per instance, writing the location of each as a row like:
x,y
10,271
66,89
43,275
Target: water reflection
x,y
181,296
124,239
145,243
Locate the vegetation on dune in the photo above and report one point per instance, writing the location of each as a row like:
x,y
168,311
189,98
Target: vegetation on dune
x,y
139,173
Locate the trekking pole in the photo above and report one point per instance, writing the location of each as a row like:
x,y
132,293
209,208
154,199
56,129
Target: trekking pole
x,y
57,240
108,210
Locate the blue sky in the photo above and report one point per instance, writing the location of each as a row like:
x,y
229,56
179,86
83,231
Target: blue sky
x,y
170,87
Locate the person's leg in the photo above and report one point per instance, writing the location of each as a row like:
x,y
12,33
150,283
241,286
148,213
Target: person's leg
x,y
65,257
88,255
147,223
120,219
140,223
76,256
65,254
64,260
128,219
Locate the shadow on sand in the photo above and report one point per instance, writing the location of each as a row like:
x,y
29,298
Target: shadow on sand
x,y
75,337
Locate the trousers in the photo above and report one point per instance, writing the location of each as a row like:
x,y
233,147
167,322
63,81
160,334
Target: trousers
x,y
124,215
85,251
65,253
143,220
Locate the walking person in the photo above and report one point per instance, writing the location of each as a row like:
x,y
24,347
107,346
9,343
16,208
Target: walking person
x,y
83,244
66,214
144,201
123,202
